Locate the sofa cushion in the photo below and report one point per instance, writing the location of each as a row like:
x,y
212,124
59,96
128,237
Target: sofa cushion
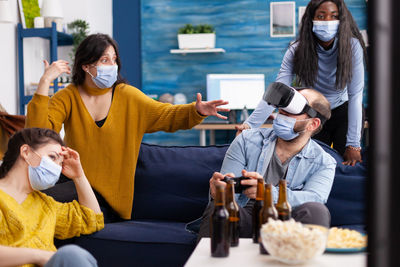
x,y
140,243
147,231
171,183
346,201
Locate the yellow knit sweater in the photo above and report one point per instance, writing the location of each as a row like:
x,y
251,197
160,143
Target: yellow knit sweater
x,y
39,218
109,154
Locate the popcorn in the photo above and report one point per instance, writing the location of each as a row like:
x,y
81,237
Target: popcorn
x,y
293,242
345,238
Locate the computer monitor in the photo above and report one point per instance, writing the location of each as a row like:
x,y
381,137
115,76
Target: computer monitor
x,y
241,90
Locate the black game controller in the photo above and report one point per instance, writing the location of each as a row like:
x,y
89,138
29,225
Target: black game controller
x,y
239,187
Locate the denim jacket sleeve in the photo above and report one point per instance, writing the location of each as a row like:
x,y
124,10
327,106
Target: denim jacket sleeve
x,y
235,160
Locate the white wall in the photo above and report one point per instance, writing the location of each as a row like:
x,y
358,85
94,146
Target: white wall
x,y
8,63
98,13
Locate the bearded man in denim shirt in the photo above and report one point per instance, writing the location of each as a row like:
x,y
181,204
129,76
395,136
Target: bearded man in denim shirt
x,y
284,152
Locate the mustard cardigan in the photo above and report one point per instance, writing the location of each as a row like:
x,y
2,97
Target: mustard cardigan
x,y
39,218
109,153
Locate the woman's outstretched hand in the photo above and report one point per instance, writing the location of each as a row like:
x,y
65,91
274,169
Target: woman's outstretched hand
x,y
211,108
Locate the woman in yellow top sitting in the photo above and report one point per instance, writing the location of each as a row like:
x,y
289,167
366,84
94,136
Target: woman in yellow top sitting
x,y
29,219
105,119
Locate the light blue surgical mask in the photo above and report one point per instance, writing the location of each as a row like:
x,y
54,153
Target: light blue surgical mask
x,y
106,76
325,30
45,175
284,127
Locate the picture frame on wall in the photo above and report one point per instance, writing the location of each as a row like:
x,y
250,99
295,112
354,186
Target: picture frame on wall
x,y
282,19
28,10
21,14
302,10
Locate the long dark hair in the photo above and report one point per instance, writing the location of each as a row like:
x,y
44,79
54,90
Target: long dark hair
x,y
34,137
306,57
89,52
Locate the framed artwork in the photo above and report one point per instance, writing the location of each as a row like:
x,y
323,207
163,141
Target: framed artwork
x,y
302,10
28,10
282,18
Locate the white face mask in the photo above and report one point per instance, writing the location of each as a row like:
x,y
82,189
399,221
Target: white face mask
x,y
325,30
106,76
284,127
45,175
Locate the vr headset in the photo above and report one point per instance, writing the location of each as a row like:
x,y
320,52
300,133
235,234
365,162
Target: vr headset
x,y
290,100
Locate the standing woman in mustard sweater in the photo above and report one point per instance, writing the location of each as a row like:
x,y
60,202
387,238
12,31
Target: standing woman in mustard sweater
x,y
105,119
29,219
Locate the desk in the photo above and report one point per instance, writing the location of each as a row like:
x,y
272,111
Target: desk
x,y
247,254
203,127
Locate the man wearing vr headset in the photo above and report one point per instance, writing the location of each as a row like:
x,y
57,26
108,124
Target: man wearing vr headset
x,y
284,152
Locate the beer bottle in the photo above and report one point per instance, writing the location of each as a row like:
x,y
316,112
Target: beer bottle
x,y
256,209
283,207
219,226
268,211
233,210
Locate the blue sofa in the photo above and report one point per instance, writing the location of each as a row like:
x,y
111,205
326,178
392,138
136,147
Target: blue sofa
x,y
171,189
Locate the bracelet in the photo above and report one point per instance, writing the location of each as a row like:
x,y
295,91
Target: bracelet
x,y
354,148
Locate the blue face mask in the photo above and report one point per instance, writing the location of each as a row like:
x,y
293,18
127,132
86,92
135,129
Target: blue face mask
x,y
325,30
284,127
106,76
45,175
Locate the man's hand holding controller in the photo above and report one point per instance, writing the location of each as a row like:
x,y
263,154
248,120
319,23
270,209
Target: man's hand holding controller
x,y
247,183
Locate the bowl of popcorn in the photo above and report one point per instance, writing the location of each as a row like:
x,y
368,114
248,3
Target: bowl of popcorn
x,y
342,240
291,242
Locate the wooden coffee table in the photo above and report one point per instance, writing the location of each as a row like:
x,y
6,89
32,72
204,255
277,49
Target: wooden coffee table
x,y
247,254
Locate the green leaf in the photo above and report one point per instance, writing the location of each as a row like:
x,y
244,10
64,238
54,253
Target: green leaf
x,y
79,30
201,28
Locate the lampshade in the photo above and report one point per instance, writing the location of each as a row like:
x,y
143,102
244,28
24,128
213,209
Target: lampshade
x,y
5,11
51,8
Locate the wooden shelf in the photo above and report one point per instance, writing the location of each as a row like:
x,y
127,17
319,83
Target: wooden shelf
x,y
193,51
63,39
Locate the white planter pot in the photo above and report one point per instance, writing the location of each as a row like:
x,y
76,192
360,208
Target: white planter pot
x,y
196,40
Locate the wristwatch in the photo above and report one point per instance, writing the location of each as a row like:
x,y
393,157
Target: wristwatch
x,y
355,148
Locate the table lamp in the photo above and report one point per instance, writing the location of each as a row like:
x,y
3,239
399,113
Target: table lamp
x,y
5,12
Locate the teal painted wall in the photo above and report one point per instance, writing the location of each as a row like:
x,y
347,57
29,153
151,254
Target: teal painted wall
x,y
243,30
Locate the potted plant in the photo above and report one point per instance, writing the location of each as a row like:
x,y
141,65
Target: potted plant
x,y
79,30
196,37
